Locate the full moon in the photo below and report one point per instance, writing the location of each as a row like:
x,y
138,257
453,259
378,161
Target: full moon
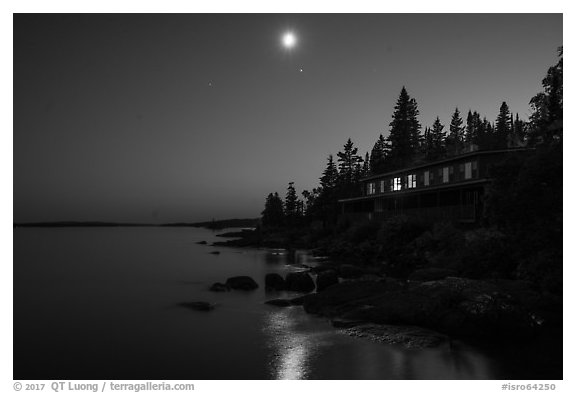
x,y
289,40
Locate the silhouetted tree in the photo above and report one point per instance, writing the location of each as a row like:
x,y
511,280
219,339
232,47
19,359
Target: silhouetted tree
x,y
404,135
326,203
358,170
378,156
455,139
348,162
546,120
310,202
486,137
329,177
366,165
291,203
503,127
473,124
273,214
435,141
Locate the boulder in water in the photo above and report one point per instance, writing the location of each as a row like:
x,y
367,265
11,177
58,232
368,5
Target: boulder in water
x,y
244,283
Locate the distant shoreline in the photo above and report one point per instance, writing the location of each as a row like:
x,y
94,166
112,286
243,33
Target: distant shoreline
x,y
215,224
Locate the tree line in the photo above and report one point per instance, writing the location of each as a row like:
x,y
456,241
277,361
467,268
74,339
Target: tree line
x,y
406,145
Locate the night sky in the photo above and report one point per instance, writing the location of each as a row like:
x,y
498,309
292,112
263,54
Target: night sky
x,y
162,118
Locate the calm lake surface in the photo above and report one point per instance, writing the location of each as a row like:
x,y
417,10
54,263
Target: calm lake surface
x,y
102,303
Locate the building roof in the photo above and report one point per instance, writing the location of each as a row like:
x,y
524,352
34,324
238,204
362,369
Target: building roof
x,y
446,160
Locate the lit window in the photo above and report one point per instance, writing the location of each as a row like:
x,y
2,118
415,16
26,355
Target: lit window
x,y
382,185
468,170
411,181
426,178
371,188
396,184
445,174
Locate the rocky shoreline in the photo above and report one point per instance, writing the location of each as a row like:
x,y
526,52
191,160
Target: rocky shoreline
x,y
426,310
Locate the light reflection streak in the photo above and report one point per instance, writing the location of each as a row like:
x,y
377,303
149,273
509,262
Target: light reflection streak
x,y
291,349
295,350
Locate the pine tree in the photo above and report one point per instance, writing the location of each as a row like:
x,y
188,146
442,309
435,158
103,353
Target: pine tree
x,y
325,202
273,214
366,165
436,139
348,162
427,144
291,203
378,156
358,170
455,140
473,125
329,177
404,135
471,131
486,135
503,127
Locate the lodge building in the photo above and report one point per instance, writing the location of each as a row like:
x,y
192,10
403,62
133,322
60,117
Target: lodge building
x,y
449,189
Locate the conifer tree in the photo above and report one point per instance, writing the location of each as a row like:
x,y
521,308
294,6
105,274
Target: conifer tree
x,y
273,214
455,140
291,202
503,127
358,170
348,162
473,124
378,156
404,138
366,165
427,147
470,133
326,203
329,177
436,139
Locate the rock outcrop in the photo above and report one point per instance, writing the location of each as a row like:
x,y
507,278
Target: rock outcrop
x,y
456,306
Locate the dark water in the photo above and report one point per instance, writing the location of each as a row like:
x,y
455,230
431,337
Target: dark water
x,y
101,303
